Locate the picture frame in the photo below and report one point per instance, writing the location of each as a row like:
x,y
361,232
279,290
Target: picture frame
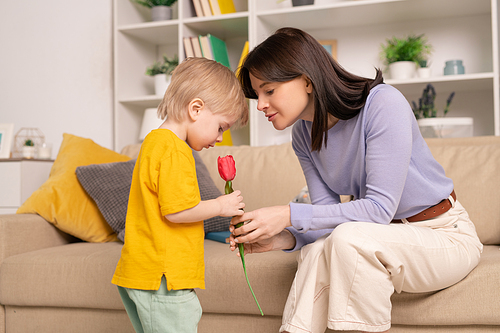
x,y
330,46
6,134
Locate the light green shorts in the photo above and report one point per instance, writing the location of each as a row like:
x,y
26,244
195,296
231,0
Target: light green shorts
x,y
162,310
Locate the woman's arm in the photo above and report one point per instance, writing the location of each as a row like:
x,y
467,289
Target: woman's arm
x,y
225,205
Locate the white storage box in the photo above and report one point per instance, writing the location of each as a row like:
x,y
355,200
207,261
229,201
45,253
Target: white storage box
x,y
453,127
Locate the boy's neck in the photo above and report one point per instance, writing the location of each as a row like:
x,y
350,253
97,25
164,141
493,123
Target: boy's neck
x,y
178,128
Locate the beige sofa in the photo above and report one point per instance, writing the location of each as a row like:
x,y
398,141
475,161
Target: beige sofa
x,y
50,282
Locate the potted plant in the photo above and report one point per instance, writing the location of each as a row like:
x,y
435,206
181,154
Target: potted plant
x,y
296,3
162,73
29,149
160,9
403,55
432,126
423,71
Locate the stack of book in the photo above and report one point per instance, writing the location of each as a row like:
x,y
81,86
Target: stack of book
x,y
213,7
212,48
207,46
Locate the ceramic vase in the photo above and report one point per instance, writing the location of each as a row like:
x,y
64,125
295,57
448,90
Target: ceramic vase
x,y
161,13
28,152
424,72
454,67
401,70
161,83
302,2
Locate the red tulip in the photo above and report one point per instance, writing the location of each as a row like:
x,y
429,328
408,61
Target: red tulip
x,y
227,169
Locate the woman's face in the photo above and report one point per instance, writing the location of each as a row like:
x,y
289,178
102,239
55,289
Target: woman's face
x,y
284,103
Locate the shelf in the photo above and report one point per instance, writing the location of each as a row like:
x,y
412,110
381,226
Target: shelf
x,y
223,26
149,101
466,82
153,32
369,12
459,29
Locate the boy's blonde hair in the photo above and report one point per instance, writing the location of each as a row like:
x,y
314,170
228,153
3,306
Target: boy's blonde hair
x,y
215,84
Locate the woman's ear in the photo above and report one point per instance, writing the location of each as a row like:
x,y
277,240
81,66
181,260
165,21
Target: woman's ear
x,y
309,87
195,107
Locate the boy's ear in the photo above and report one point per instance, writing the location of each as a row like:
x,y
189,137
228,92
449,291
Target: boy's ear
x,y
195,107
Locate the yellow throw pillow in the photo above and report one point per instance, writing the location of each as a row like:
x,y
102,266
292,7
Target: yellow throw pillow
x,y
62,201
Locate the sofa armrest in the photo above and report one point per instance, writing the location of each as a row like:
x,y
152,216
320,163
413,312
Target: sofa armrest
x,y
21,233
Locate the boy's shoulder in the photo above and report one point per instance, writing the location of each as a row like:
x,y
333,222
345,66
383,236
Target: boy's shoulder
x,y
163,143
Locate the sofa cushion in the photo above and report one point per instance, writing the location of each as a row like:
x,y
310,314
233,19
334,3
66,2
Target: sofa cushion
x,y
62,201
109,186
78,275
472,164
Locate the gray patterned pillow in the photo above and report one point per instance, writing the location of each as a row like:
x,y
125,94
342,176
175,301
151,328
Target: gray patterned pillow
x,y
108,185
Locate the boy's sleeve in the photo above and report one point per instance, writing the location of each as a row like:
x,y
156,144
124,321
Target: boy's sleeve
x,y
177,184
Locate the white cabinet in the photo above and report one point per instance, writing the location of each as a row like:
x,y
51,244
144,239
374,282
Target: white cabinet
x,y
19,179
457,29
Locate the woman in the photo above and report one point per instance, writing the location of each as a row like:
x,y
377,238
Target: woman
x,y
404,230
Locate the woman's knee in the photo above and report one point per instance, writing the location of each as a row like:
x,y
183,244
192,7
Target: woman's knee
x,y
347,237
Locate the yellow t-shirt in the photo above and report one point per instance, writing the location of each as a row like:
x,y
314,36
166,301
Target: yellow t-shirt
x,y
164,182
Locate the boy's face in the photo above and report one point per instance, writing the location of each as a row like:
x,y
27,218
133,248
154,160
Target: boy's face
x,y
207,129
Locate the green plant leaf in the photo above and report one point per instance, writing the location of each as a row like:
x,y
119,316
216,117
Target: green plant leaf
x,y
411,48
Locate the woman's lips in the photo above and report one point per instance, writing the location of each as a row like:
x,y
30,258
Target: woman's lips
x,y
270,117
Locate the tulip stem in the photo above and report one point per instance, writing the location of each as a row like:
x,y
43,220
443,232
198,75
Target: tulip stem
x,y
229,189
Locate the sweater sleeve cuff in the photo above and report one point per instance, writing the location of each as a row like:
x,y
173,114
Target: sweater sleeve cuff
x,y
301,216
299,241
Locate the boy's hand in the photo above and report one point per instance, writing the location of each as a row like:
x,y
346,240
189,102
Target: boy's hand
x,y
231,204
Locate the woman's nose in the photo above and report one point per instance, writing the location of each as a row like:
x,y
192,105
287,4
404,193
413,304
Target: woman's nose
x,y
262,105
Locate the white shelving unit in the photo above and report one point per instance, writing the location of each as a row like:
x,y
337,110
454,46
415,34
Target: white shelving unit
x,y
457,29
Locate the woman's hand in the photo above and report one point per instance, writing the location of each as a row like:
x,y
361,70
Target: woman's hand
x,y
261,224
282,241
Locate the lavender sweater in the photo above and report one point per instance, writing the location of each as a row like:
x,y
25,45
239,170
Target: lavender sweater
x,y
379,157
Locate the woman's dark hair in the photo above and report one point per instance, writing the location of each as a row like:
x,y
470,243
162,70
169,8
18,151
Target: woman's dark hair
x,y
290,53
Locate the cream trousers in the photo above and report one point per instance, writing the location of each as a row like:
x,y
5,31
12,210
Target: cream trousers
x,y
344,280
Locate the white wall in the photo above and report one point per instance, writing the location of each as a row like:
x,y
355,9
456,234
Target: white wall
x,y
56,68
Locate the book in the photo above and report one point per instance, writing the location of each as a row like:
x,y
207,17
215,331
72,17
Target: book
x,y
214,5
197,8
219,50
188,47
244,54
196,47
207,11
206,49
226,6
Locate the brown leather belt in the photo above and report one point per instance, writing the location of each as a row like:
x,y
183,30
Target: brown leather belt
x,y
441,208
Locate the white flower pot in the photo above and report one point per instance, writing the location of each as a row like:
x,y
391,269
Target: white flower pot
x,y
424,72
161,13
401,70
442,127
28,152
161,83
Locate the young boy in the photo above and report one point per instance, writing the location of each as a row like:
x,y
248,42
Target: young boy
x,y
162,258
